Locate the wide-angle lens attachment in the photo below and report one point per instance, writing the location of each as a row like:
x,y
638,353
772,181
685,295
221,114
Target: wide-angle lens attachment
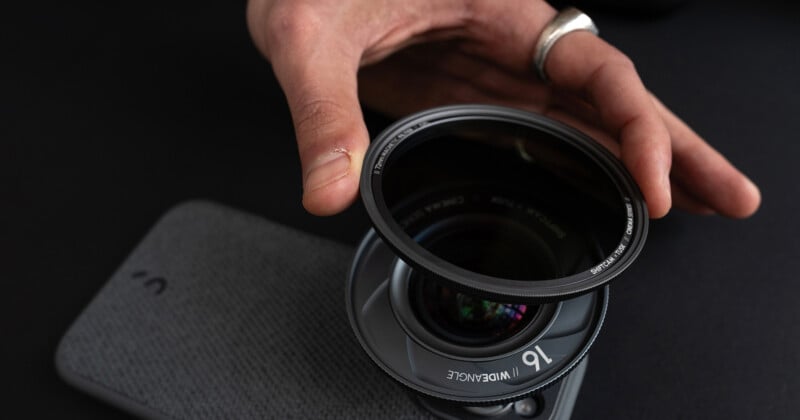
x,y
456,359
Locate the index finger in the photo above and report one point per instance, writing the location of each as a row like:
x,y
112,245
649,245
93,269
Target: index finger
x,y
588,66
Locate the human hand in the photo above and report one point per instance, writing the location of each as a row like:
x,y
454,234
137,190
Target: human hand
x,y
460,51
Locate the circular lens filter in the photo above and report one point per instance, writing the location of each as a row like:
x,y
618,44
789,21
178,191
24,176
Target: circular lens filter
x,y
510,205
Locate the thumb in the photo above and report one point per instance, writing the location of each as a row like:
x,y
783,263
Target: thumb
x,y
322,92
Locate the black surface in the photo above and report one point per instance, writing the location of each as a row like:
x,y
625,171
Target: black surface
x,y
111,113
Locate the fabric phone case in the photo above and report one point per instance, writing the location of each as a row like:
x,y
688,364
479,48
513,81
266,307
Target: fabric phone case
x,y
221,314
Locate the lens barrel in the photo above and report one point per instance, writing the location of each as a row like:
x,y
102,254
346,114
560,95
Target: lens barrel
x,y
495,234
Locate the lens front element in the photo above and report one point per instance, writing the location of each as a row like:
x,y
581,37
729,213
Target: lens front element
x,y
466,319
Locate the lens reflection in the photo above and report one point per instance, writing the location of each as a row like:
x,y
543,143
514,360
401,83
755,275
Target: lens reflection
x,y
465,319
483,243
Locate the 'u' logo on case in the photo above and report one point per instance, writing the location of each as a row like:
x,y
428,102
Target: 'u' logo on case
x,y
155,283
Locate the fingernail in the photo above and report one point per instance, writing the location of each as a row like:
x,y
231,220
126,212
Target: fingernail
x,y
326,170
754,190
666,185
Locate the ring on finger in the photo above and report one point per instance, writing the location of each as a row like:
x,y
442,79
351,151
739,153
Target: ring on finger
x,y
566,21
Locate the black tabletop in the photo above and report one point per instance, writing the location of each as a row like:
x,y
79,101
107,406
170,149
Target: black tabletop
x,y
112,113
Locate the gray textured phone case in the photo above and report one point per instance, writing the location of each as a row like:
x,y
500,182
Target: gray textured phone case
x,y
220,314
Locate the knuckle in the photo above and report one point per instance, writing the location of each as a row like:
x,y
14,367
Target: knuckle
x,y
318,118
291,25
472,9
622,62
613,68
461,93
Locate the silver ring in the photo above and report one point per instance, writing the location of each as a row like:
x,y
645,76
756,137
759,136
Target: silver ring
x,y
566,21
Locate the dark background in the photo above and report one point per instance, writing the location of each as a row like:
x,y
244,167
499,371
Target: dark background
x,y
111,113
